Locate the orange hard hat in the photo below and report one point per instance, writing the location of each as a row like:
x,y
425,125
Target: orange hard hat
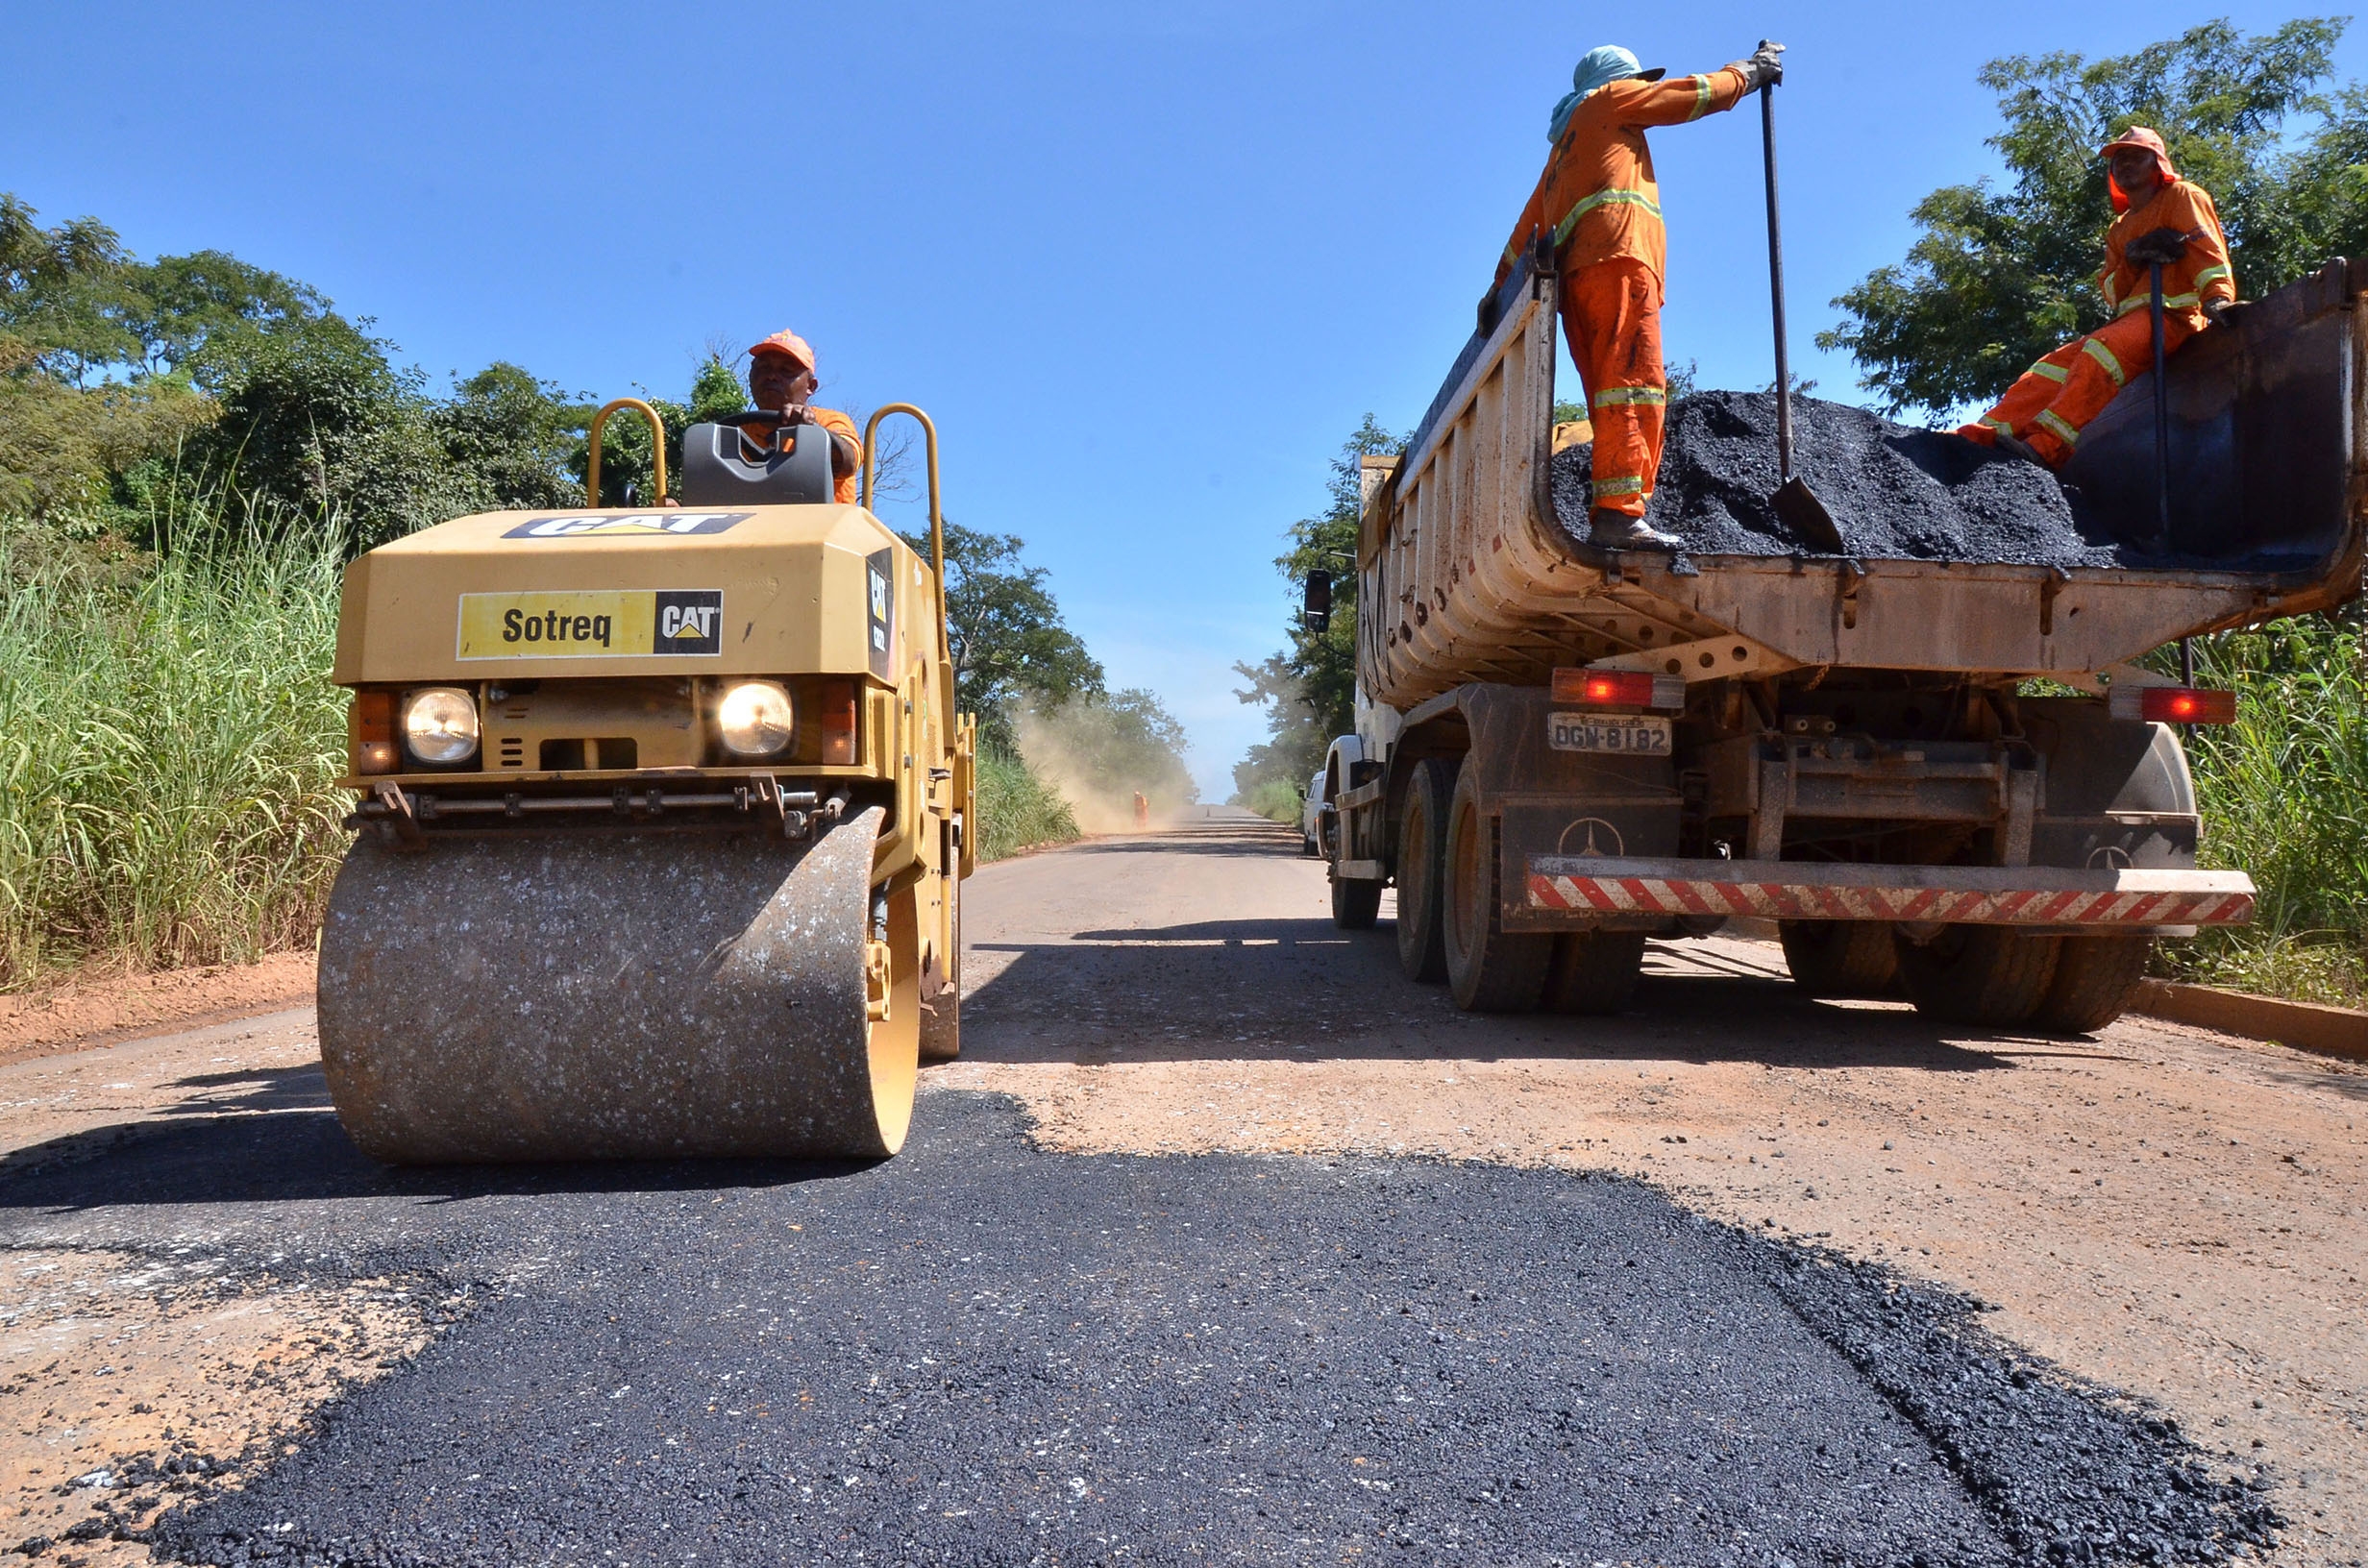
x,y
789,343
2146,139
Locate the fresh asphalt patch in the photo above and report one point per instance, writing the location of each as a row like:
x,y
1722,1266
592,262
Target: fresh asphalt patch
x,y
982,1353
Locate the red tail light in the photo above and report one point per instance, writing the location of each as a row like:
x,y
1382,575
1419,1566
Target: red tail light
x,y
2173,706
1617,688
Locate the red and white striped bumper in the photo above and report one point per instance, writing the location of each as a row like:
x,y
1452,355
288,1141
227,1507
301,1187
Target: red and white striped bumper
x,y
1598,885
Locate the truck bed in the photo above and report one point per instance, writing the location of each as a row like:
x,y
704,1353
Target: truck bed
x,y
1467,574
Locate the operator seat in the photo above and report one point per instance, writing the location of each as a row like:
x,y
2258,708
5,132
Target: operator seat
x,y
739,460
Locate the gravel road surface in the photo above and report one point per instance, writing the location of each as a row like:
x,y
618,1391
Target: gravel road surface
x,y
1222,1243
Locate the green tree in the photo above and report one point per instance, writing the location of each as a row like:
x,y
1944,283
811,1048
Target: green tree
x,y
1998,277
511,439
316,420
60,289
61,440
1010,647
1309,689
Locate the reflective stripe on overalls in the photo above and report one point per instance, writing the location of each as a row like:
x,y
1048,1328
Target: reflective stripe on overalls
x,y
1609,193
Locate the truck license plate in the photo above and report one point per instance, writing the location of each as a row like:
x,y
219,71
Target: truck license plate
x,y
1628,737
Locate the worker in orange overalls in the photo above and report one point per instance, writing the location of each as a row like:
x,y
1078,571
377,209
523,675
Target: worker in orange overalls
x,y
780,379
1598,201
2042,414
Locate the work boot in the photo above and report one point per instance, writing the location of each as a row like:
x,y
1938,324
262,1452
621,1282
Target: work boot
x,y
2014,446
1609,529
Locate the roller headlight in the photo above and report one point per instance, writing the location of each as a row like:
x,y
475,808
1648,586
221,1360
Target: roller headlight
x,y
754,719
439,724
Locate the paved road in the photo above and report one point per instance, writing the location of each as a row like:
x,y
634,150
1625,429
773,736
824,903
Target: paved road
x,y
989,1351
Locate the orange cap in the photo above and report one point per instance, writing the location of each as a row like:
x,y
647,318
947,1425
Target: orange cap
x,y
2147,140
789,343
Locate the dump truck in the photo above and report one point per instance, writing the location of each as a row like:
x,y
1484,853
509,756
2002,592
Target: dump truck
x,y
1949,777
662,819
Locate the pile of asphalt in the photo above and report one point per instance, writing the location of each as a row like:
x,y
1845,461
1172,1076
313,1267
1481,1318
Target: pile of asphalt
x,y
2071,1472
984,1353
1896,493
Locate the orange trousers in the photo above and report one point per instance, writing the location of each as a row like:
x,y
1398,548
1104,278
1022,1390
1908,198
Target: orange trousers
x,y
1612,322
2054,400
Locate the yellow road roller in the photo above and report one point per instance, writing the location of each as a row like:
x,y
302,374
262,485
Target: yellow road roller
x,y
663,818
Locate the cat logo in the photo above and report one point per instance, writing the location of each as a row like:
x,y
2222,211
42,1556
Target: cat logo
x,y
689,620
669,524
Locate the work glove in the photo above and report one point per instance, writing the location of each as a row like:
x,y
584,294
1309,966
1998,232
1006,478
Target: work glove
x,y
1765,68
2165,245
2222,312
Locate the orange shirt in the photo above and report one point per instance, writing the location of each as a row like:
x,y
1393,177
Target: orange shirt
x,y
838,423
1597,196
2202,274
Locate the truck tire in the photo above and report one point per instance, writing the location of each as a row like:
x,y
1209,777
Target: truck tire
x,y
1355,905
2095,979
1594,971
1844,960
1983,975
1421,845
1490,970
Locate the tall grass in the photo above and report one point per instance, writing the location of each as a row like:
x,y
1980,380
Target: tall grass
x,y
1017,810
1274,799
166,747
2284,796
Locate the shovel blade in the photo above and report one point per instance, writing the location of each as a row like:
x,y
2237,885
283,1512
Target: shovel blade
x,y
1805,517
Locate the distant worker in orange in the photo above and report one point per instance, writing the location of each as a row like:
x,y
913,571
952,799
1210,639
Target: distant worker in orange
x,y
1598,202
2162,215
780,379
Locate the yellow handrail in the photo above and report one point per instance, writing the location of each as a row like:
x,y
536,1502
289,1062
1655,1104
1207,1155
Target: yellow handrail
x,y
937,518
657,446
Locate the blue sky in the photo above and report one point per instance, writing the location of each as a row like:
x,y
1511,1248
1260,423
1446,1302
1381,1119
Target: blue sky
x,y
1147,265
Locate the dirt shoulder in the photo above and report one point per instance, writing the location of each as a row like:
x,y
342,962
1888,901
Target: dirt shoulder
x,y
98,1008
133,1381
2165,1209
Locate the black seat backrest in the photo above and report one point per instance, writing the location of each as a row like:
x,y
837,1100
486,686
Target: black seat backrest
x,y
716,474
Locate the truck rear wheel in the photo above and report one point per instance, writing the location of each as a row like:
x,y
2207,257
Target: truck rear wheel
x,y
1846,960
1594,971
1355,905
1983,975
1421,845
2096,977
1491,970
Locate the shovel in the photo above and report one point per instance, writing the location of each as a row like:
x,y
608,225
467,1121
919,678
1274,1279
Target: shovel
x,y
1797,506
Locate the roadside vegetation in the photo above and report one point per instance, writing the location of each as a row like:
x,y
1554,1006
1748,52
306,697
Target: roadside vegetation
x,y
2285,791
190,450
1019,811
1274,799
2000,272
167,739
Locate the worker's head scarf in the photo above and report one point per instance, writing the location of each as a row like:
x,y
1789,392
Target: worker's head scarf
x,y
1597,69
2147,140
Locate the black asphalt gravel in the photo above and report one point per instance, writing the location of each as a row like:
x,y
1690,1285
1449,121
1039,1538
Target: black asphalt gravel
x,y
1897,493
983,1353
